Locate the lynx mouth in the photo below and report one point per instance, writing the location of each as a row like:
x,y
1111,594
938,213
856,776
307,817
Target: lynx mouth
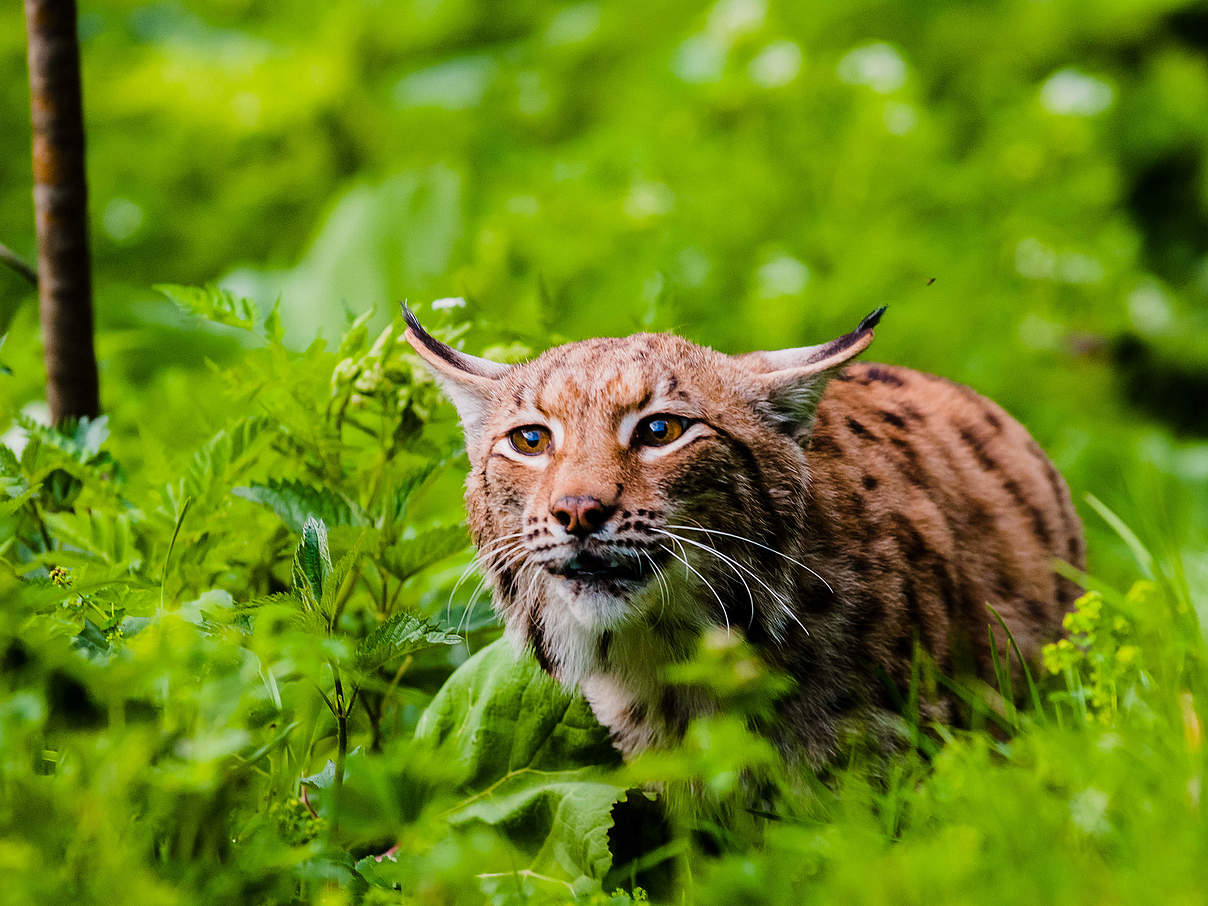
x,y
604,571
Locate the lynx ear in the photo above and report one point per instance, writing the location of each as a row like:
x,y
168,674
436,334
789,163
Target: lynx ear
x,y
469,381
790,382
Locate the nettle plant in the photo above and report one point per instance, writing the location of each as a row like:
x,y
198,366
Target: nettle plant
x,y
279,570
233,673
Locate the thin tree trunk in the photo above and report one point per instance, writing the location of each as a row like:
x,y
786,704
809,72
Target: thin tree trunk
x,y
61,208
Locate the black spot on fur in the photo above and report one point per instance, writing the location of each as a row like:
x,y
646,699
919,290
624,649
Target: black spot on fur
x,y
869,482
975,444
1039,528
825,445
1005,588
978,519
893,418
993,420
635,713
675,716
1075,550
603,646
1036,610
856,428
909,465
536,637
868,613
875,374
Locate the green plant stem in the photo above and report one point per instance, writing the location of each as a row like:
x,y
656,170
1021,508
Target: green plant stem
x,y
342,708
18,264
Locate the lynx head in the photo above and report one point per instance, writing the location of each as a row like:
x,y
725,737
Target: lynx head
x,y
617,483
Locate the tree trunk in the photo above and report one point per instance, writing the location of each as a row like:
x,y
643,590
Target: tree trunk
x,y
61,208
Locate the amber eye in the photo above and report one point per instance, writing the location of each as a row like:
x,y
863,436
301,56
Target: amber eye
x,y
660,430
531,440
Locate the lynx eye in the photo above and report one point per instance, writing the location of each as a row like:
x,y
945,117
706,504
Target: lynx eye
x,y
531,440
660,430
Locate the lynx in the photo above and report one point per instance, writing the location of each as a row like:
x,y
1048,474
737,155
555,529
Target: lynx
x,y
628,494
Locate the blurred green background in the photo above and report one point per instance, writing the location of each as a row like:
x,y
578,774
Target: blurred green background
x,y
1024,183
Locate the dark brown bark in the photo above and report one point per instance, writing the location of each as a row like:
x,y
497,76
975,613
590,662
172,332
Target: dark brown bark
x,y
61,208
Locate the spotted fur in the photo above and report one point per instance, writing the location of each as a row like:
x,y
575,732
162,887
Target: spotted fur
x,y
835,514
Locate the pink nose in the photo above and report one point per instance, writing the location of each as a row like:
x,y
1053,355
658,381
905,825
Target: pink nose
x,y
581,515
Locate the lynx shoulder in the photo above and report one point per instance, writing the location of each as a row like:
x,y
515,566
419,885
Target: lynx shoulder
x,y
628,494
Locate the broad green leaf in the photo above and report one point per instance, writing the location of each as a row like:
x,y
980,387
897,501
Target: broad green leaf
x,y
312,563
294,502
212,303
529,755
408,556
332,583
399,635
563,818
91,641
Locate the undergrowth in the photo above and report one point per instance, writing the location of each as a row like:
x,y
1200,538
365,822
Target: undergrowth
x,y
238,673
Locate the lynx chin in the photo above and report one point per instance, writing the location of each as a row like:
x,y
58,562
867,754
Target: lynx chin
x,y
628,494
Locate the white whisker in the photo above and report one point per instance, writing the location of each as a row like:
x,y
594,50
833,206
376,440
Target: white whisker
x,y
784,603
773,550
729,562
708,585
475,561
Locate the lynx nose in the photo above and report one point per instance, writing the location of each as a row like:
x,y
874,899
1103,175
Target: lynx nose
x,y
581,515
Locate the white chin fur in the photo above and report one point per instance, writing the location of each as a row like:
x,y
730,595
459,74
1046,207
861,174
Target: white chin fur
x,y
573,622
594,611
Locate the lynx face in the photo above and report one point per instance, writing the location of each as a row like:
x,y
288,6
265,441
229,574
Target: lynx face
x,y
627,493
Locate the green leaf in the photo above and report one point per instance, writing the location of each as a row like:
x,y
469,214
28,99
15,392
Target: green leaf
x,y
97,535
333,582
408,556
9,464
294,502
226,454
273,328
80,439
528,754
355,336
399,635
312,563
91,641
212,303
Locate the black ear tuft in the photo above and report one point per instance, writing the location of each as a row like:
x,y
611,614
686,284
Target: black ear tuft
x,y
409,317
872,319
